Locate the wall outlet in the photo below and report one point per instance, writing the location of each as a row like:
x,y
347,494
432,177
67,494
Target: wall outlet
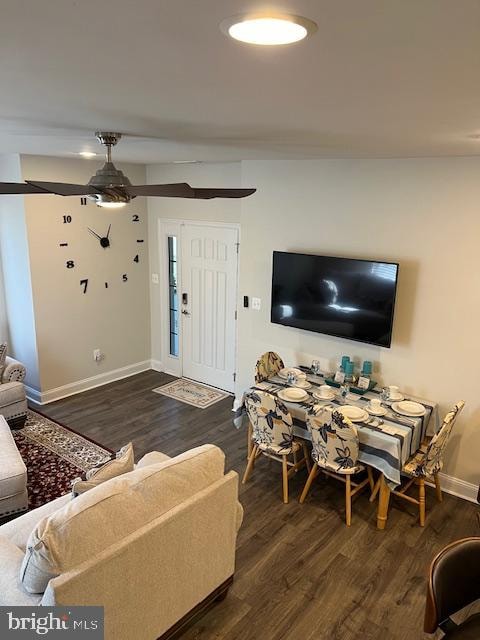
x,y
97,355
256,304
155,278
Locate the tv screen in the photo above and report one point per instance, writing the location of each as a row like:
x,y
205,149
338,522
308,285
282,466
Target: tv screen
x,y
340,297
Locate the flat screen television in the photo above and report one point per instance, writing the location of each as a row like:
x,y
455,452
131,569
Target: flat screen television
x,y
340,297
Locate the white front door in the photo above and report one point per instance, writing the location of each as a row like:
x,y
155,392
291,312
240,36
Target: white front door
x,y
208,303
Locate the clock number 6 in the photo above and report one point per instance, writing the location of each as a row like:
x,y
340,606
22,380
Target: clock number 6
x,y
84,284
124,277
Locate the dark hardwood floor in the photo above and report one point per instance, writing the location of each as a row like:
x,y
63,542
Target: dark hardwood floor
x,y
301,573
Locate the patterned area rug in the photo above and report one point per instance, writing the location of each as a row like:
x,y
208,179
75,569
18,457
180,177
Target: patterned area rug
x,y
54,455
192,393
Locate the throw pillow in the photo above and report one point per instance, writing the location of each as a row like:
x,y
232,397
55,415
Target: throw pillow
x,y
122,463
3,356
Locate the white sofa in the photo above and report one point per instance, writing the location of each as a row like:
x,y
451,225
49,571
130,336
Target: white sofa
x,y
151,546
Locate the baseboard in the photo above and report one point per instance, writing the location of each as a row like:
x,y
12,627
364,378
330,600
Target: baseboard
x,y
45,397
157,365
459,488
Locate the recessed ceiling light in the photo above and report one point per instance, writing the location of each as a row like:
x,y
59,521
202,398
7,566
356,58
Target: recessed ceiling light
x,y
185,161
264,29
87,154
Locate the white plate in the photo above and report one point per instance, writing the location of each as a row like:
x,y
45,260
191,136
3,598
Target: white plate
x,y
303,384
302,395
355,414
403,408
381,411
396,398
318,396
283,373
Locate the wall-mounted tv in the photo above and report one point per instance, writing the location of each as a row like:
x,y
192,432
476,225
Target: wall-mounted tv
x,y
340,297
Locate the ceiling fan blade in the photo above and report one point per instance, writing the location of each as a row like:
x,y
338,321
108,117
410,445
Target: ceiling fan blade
x,y
14,188
207,194
64,188
176,190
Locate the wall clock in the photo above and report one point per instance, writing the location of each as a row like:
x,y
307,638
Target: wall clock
x,y
104,236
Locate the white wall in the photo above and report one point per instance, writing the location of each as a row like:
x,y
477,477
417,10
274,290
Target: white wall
x,y
69,323
18,317
422,213
197,175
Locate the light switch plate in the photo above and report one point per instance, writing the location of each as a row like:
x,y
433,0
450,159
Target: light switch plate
x,y
155,278
256,304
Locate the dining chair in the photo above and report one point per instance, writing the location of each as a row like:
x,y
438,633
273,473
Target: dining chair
x,y
426,464
268,365
335,449
452,585
273,436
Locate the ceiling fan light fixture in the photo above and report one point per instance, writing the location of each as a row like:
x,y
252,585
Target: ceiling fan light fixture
x,y
110,204
87,154
268,30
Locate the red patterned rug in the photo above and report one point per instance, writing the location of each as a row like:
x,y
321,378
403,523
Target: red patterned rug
x,y
54,456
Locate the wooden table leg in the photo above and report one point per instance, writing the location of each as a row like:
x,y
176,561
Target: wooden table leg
x,y
383,501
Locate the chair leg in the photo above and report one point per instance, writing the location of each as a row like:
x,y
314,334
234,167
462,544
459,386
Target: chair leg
x,y
306,455
251,461
308,484
371,481
249,439
295,459
376,489
421,500
285,479
348,501
438,488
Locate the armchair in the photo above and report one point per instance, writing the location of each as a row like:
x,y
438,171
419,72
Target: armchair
x,y
13,403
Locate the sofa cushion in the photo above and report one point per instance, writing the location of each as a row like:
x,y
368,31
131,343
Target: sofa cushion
x,y
19,529
153,457
122,462
11,592
112,510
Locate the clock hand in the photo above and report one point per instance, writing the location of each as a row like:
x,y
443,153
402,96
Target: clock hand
x,y
108,232
95,234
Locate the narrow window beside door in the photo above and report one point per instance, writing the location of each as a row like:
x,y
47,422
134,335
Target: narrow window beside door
x,y
172,294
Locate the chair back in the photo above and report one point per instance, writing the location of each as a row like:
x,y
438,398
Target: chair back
x,y
433,460
334,440
268,365
453,582
271,421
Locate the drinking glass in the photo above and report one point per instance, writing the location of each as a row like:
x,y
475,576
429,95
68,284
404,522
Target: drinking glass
x,y
291,378
316,367
342,396
385,394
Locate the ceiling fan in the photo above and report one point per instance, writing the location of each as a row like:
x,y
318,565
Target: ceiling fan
x,y
109,187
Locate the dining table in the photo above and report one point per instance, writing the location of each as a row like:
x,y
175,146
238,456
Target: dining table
x,y
385,442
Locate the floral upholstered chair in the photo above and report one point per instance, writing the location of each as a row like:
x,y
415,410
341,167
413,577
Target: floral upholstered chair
x,y
426,464
335,452
267,365
272,436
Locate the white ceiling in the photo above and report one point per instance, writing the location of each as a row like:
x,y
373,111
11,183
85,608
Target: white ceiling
x,y
380,78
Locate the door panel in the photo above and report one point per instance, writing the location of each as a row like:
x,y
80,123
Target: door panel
x,y
209,278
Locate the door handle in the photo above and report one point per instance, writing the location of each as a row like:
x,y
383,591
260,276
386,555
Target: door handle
x,y
185,312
